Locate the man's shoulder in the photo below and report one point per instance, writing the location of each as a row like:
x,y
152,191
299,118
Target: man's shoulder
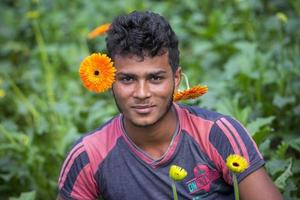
x,y
202,113
97,144
85,156
106,133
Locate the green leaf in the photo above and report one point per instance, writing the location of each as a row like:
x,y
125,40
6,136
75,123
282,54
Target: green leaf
x,y
276,166
295,144
264,147
281,181
25,196
290,188
254,126
281,101
230,106
281,149
242,62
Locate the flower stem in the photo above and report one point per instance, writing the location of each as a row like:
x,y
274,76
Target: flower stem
x,y
186,80
235,187
174,191
45,61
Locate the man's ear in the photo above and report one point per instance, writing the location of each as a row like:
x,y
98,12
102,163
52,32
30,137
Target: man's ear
x,y
177,77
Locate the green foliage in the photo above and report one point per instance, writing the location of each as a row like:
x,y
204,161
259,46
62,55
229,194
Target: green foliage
x,y
25,196
281,181
247,52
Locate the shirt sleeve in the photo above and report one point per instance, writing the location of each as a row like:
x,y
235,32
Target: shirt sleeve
x,y
227,137
76,180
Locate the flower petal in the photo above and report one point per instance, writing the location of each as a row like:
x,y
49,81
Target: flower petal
x,y
97,72
236,163
100,30
177,173
191,93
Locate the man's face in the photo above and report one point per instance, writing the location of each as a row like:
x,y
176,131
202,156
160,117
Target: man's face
x,y
143,90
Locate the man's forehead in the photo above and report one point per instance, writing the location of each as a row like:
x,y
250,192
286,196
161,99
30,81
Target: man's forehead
x,y
147,63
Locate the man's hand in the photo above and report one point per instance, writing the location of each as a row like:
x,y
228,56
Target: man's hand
x,y
258,186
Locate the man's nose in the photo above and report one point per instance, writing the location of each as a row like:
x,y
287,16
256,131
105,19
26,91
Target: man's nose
x,y
142,90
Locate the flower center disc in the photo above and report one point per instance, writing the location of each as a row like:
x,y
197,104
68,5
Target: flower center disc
x,y
96,73
235,164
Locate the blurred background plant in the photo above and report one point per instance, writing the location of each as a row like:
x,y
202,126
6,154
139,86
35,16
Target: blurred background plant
x,y
247,52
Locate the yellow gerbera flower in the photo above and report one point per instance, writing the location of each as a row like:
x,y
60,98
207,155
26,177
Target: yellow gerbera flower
x,y
2,93
236,163
191,93
97,72
282,17
32,14
100,30
177,173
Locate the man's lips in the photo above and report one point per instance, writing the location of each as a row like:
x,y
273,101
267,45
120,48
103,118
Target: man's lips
x,y
143,109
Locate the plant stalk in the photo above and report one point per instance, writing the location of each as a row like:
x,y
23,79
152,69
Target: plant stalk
x,y
174,191
186,80
235,186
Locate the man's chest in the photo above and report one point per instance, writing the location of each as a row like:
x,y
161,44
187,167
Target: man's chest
x,y
123,175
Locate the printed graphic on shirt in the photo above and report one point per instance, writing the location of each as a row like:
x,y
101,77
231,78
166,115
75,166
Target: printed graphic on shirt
x,y
203,178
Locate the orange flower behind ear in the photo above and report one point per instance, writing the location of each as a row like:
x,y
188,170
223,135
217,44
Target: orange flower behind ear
x,y
100,30
191,93
97,72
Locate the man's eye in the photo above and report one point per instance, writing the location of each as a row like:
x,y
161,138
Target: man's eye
x,y
156,78
126,79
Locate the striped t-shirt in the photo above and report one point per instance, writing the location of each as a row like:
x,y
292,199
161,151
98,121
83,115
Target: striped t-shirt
x,y
106,162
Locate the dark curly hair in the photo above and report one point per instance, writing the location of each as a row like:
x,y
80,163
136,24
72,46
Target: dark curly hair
x,y
142,34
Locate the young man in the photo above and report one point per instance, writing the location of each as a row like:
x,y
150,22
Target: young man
x,y
129,156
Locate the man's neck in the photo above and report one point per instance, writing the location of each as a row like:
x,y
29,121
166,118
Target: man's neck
x,y
154,139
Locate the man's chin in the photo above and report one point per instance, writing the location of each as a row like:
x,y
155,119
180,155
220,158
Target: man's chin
x,y
143,124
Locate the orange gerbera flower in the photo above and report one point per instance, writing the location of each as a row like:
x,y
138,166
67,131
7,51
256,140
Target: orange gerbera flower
x,y
97,72
191,93
100,30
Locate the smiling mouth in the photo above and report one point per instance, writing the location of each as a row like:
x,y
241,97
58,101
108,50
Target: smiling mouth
x,y
143,109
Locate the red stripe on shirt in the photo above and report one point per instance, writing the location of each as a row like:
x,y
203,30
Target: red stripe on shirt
x,y
200,129
85,185
238,138
254,144
229,136
100,143
77,150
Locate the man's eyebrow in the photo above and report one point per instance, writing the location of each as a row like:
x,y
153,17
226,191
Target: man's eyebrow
x,y
149,73
158,72
124,74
